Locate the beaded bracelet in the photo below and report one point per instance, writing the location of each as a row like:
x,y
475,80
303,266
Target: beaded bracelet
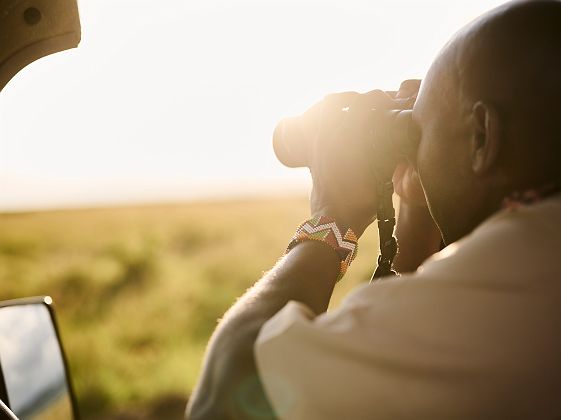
x,y
324,229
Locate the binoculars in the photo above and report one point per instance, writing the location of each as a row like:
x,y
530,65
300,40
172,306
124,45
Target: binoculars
x,y
391,136
394,136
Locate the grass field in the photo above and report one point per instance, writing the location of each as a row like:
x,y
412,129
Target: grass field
x,y
138,290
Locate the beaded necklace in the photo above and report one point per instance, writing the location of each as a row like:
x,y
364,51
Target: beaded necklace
x,y
530,196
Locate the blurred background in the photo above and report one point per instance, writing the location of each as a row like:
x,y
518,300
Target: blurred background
x,y
138,185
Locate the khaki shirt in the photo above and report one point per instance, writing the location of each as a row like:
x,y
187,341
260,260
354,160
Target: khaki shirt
x,y
474,334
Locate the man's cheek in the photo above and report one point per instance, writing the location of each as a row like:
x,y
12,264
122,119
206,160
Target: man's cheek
x,y
431,167
425,158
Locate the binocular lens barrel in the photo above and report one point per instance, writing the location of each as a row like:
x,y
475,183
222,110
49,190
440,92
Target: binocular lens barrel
x,y
292,145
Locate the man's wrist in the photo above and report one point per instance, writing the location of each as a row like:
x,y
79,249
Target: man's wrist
x,y
327,231
326,257
356,222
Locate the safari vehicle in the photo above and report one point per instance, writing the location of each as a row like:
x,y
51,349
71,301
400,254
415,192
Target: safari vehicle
x,y
34,379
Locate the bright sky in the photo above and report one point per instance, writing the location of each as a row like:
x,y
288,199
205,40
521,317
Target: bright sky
x,y
178,99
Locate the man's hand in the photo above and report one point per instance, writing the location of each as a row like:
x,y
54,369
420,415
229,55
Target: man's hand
x,y
407,185
417,234
406,182
341,155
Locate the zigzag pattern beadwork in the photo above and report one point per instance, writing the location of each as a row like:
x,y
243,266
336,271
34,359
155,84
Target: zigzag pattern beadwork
x,y
324,229
315,227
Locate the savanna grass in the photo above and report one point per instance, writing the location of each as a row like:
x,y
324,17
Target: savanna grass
x,y
138,290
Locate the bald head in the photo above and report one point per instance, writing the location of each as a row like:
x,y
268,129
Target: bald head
x,y
490,112
511,55
512,59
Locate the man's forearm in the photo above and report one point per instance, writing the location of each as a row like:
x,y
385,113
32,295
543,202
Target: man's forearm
x,y
229,378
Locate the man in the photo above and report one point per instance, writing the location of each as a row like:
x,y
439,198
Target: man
x,y
472,334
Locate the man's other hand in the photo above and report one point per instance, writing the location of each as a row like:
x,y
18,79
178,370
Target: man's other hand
x,y
416,232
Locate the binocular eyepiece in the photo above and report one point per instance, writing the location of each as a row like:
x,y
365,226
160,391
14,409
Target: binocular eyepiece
x,y
394,135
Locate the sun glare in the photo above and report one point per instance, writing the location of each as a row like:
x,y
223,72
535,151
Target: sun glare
x,y
179,100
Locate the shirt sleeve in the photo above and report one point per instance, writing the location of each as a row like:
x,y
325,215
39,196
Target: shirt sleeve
x,y
412,347
333,366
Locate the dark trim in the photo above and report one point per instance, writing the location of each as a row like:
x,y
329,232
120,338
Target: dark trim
x,y
3,390
26,301
48,302
6,413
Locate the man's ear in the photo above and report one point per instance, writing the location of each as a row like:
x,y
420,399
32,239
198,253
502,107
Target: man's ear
x,y
485,139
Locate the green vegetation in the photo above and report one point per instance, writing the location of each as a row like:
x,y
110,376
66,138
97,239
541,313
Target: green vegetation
x,y
138,290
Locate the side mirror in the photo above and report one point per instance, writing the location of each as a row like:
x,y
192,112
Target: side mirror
x,y
33,364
